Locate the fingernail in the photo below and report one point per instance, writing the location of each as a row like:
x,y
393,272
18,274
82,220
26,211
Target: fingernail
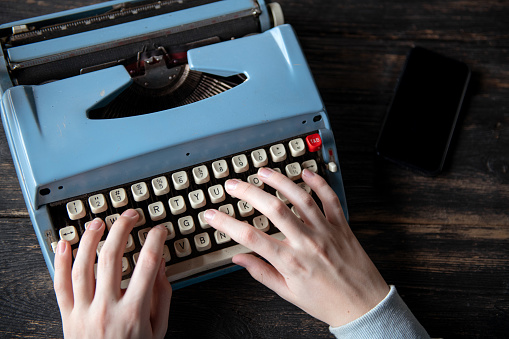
x,y
61,247
307,173
209,215
130,213
231,184
162,228
95,224
265,172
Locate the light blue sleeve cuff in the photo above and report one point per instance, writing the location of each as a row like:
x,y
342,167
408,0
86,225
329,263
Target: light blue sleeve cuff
x,y
391,318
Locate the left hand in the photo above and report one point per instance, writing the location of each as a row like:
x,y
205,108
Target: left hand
x,y
100,309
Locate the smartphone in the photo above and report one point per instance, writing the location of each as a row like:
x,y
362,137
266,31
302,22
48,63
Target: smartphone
x,y
422,115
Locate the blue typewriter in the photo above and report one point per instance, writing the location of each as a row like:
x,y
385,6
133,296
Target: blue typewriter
x,y
153,105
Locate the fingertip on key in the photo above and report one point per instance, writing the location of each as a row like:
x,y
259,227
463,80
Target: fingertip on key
x,y
265,172
231,184
209,215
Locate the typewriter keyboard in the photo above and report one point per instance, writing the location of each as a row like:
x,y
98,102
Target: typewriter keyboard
x,y
179,199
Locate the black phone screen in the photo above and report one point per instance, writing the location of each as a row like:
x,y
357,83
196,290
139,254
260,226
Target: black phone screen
x,y
422,115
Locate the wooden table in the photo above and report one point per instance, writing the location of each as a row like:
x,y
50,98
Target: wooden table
x,y
444,241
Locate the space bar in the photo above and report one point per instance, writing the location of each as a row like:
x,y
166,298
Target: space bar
x,y
207,261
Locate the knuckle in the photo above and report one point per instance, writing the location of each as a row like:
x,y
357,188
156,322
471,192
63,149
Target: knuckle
x,y
59,286
149,259
107,257
248,236
77,273
277,207
319,248
307,201
291,261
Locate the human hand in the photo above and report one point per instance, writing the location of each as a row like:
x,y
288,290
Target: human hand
x,y
96,309
320,266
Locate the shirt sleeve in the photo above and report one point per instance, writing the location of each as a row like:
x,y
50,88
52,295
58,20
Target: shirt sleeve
x,y
391,318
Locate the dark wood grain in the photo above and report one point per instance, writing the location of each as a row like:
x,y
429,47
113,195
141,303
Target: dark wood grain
x,y
444,241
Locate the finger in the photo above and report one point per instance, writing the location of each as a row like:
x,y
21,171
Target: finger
x,y
267,204
142,282
161,298
300,199
109,272
264,273
62,278
330,201
83,278
245,234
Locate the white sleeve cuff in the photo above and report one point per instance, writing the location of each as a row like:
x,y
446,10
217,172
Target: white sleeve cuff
x,y
391,318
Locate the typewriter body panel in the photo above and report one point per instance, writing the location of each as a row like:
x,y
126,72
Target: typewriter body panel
x,y
61,150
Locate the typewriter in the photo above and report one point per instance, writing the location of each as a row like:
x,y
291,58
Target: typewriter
x,y
153,105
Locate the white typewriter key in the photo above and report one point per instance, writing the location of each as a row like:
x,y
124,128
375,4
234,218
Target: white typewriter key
x,y
156,211
293,170
70,234
126,268
197,199
140,191
110,219
202,241
160,186
100,246
254,180
97,203
262,223
130,244
177,205
76,209
169,229
125,283
166,253
240,164
278,153
142,235
297,147
186,225
141,218
305,187
216,194
118,197
220,169
135,257
182,247
245,209
201,174
180,180
310,165
294,210
282,197
227,209
201,219
221,237
259,158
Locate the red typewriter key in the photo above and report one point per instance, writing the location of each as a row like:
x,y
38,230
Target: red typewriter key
x,y
314,142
